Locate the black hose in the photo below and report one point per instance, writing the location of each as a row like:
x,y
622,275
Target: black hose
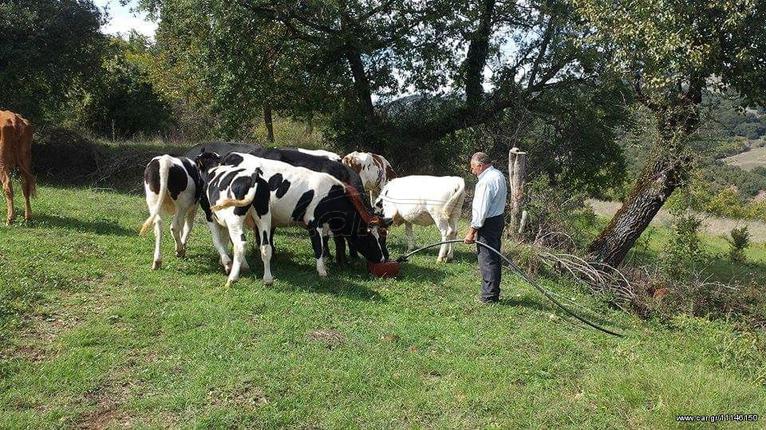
x,y
519,272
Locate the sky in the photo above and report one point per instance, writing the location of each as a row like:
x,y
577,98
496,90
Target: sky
x,y
122,20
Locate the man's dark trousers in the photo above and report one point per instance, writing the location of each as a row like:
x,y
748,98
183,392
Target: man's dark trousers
x,y
489,262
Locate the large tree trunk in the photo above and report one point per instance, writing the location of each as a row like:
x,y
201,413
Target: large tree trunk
x,y
656,184
476,58
665,171
361,83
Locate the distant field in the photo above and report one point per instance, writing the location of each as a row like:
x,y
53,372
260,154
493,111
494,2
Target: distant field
x,y
712,225
748,160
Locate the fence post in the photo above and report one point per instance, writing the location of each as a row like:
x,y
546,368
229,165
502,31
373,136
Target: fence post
x,y
517,176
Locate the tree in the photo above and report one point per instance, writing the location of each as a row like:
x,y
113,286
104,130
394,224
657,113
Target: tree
x,y
47,48
671,51
352,61
122,101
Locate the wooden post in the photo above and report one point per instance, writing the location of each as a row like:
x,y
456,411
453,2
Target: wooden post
x,y
269,123
517,176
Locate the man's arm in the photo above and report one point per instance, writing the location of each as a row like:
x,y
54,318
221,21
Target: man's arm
x,y
479,212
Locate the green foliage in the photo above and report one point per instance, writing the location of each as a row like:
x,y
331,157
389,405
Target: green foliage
x,y
740,240
556,215
48,48
123,101
683,255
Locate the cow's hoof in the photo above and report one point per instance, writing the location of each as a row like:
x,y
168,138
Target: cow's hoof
x,y
322,274
229,283
227,268
181,253
156,265
268,281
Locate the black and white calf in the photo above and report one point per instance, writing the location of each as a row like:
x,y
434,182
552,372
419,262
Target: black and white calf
x,y
275,194
173,186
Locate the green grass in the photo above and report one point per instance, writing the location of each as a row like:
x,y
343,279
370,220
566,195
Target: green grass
x,y
748,160
92,337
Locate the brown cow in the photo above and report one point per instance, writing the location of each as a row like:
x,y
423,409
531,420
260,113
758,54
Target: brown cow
x,y
16,152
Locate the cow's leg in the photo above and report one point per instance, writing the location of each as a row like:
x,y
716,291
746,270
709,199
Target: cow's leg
x,y
27,188
316,243
188,225
410,236
175,227
8,190
219,242
266,233
451,235
340,249
237,236
443,226
352,254
157,262
325,242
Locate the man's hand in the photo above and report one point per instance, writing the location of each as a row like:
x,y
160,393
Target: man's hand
x,y
470,237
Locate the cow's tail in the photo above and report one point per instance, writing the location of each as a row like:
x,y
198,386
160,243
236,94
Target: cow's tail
x,y
244,201
457,196
166,162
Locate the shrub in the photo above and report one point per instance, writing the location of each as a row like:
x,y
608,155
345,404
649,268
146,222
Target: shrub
x,y
740,240
683,253
555,215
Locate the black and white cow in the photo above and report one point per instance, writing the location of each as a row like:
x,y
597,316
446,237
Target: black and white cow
x,y
310,159
172,185
275,194
221,148
317,153
313,160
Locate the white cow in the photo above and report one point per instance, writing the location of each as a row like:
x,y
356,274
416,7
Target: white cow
x,y
424,200
374,170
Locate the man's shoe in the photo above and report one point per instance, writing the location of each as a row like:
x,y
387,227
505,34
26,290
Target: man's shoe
x,y
484,301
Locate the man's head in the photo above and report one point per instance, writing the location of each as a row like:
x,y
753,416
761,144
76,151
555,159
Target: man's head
x,y
479,163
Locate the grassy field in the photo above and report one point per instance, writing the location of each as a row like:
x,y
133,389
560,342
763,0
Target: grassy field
x,y
711,225
748,160
91,337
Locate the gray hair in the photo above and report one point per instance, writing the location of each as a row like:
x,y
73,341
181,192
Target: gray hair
x,y
481,157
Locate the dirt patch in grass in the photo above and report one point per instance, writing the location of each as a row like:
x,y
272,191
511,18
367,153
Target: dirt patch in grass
x,y
331,338
245,395
107,398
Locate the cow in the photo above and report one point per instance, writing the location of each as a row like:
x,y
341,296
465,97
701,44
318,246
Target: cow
x,y
221,148
16,153
273,193
374,170
317,153
300,158
318,163
424,200
173,185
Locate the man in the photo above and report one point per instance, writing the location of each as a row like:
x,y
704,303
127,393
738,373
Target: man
x,y
487,223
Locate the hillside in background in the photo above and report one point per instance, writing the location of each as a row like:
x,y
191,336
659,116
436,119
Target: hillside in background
x,y
748,160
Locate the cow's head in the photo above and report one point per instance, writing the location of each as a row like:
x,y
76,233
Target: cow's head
x,y
206,161
370,239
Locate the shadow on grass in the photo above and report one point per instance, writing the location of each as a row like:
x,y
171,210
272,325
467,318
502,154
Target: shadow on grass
x,y
542,304
101,226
